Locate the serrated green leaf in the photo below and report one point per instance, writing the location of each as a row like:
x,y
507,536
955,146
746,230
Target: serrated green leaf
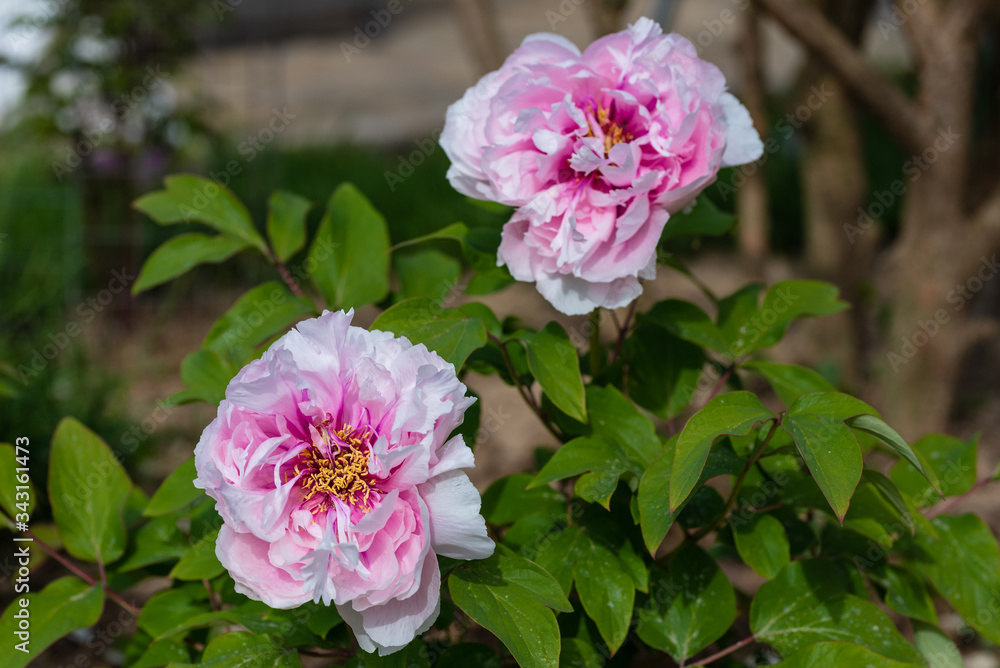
x,y
762,543
555,364
789,381
286,223
733,413
449,332
88,489
190,198
182,253
63,606
351,251
689,606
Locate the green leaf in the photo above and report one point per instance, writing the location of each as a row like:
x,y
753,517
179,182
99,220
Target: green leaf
x,y
247,650
703,217
789,381
963,564
870,424
286,223
602,460
508,500
154,542
449,332
614,417
162,653
8,473
655,518
936,647
603,573
555,364
467,655
351,251
177,491
507,595
907,595
687,321
199,562
950,460
890,493
414,655
825,654
606,591
762,543
88,490
206,374
65,605
806,603
322,619
182,253
428,273
734,413
689,606
832,453
790,300
734,320
169,610
259,314
663,370
189,198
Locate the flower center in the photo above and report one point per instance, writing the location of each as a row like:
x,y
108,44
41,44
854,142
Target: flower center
x,y
345,475
613,133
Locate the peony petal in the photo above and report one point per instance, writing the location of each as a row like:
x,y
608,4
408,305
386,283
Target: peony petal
x,y
743,144
457,529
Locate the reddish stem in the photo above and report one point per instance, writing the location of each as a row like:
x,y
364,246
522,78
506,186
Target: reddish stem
x,y
729,650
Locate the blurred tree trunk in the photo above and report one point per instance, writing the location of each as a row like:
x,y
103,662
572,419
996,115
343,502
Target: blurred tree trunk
x,y
606,16
835,187
943,240
752,202
479,28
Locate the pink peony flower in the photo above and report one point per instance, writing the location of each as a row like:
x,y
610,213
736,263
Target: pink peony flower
x,y
331,466
597,150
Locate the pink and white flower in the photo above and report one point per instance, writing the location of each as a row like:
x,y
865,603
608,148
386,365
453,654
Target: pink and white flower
x,y
331,464
596,149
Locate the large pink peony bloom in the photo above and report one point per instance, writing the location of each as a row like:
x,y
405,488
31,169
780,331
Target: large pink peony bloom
x,y
597,150
331,466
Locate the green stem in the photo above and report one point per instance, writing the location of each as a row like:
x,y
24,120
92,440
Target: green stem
x,y
738,485
595,342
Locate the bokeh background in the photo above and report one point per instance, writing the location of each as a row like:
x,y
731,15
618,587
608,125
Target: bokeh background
x,y
99,99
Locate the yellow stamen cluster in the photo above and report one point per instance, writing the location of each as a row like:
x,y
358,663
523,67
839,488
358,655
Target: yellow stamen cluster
x,y
345,476
613,133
